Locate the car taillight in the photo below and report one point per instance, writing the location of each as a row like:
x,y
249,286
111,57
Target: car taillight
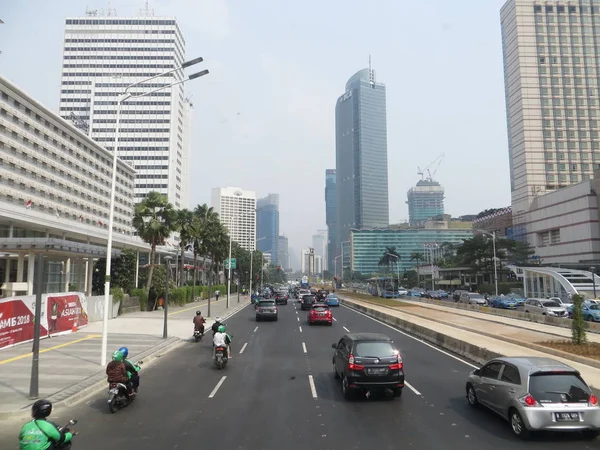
x,y
352,366
593,401
398,365
528,400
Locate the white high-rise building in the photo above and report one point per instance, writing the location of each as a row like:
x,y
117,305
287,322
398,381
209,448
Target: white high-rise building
x,y
319,243
551,70
103,54
237,210
308,261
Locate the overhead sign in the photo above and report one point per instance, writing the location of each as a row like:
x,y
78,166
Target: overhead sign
x,y
233,263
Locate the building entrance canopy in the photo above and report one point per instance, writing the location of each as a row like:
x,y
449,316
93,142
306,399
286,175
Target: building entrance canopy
x,y
545,282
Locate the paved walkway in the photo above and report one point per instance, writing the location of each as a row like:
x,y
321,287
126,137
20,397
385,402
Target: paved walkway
x,y
491,340
70,364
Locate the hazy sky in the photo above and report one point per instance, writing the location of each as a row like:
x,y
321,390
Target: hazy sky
x,y
264,116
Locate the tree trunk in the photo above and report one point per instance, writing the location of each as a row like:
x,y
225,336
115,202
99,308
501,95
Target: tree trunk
x,y
182,263
204,280
151,272
195,272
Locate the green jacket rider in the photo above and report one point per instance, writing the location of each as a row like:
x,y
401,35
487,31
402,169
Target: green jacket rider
x,y
40,434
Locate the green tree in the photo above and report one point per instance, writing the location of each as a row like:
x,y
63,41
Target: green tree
x,y
158,283
154,220
187,224
217,242
122,272
387,259
417,256
207,217
578,325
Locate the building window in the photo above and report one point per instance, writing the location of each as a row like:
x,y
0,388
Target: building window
x,y
555,236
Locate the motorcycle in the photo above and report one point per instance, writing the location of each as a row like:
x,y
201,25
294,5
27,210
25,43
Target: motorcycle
x,y
66,429
198,335
221,357
118,394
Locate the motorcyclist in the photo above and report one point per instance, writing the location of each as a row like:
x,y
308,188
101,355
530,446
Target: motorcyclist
x,y
132,370
116,371
41,434
216,325
217,293
221,338
199,322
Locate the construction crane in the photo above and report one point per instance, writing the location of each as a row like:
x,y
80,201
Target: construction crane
x,y
431,168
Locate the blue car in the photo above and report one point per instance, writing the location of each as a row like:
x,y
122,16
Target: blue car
x,y
591,311
504,302
332,300
517,298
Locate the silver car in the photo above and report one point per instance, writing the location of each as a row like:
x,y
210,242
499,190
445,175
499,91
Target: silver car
x,y
535,393
472,298
545,307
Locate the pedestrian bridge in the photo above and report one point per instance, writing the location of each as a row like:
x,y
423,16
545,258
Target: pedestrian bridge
x,y
544,282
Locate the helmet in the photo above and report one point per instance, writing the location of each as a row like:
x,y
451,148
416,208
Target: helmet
x,y
221,329
124,351
198,313
41,409
217,319
117,356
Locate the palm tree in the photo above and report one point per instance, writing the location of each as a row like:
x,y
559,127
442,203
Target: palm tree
x,y
206,217
186,223
386,258
416,256
153,220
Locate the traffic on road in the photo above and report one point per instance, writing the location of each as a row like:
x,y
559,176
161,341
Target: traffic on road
x,y
358,383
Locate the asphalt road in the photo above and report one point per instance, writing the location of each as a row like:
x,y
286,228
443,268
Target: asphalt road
x,y
279,391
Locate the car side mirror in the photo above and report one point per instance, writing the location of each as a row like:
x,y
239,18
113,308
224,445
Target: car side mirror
x,y
477,372
333,345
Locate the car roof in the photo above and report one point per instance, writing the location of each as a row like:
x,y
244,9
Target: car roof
x,y
320,304
536,363
368,337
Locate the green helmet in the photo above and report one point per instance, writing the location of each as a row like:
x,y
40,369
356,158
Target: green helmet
x,y
221,329
117,356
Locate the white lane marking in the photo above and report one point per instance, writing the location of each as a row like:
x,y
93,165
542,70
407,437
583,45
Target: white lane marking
x,y
416,339
255,330
298,319
313,390
243,348
408,385
304,347
346,329
335,319
300,329
212,394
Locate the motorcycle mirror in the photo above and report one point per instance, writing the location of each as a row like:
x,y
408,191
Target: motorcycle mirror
x,y
139,363
72,422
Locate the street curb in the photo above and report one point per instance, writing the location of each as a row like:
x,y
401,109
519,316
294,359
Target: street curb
x,y
475,353
209,323
93,384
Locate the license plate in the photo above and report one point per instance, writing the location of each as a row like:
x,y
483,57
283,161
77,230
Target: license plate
x,y
376,371
321,314
567,416
113,392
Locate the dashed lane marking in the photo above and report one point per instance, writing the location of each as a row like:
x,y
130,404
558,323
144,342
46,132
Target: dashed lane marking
x,y
304,347
214,391
416,339
300,329
313,390
298,319
335,319
346,329
243,348
408,385
255,330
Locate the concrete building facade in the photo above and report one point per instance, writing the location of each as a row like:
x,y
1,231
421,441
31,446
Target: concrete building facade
x,y
237,211
425,200
103,54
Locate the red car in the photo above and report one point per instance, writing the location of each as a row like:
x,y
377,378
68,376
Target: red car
x,y
320,313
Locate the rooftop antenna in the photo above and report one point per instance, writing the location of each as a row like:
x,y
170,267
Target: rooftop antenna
x,y
371,73
147,11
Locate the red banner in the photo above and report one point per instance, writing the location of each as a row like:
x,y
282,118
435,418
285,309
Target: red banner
x,y
64,312
16,322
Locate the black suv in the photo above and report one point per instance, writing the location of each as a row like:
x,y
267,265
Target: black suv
x,y
307,301
322,294
368,362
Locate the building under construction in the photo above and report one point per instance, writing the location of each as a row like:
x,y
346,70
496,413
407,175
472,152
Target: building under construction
x,y
425,200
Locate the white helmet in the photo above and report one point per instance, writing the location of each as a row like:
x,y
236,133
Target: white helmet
x,y
217,319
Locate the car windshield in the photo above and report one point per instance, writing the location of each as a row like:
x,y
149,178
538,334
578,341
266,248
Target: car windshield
x,y
320,308
555,387
331,296
594,307
308,298
266,303
475,296
375,349
551,304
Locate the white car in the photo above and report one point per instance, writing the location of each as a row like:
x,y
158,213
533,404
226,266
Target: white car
x,y
545,307
402,291
560,302
472,298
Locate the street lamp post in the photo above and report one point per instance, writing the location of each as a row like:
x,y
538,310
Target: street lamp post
x,y
593,270
229,263
262,271
397,266
166,305
493,235
125,96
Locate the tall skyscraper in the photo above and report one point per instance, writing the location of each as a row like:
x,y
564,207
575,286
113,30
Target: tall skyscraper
x,y
103,54
237,211
425,200
267,225
330,217
551,69
361,155
319,243
284,254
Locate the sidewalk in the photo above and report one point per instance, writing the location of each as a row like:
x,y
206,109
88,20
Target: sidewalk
x,y
486,334
69,367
